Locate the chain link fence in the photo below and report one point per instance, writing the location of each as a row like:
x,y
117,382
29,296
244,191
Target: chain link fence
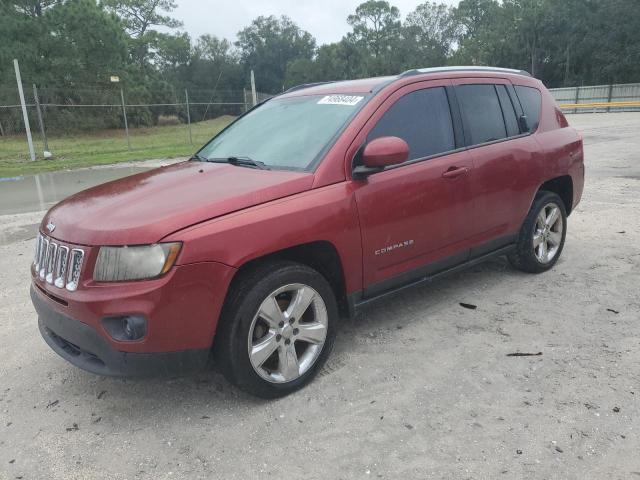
x,y
114,119
86,109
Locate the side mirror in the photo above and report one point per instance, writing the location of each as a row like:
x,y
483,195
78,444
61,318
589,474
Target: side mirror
x,y
380,153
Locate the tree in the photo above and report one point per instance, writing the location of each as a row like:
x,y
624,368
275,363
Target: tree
x,y
268,45
481,31
214,49
376,29
34,8
428,33
139,17
172,50
340,61
214,63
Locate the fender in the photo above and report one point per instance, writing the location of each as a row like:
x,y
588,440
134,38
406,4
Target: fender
x,y
323,214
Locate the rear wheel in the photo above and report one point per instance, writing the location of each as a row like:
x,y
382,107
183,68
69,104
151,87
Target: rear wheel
x,y
277,329
542,235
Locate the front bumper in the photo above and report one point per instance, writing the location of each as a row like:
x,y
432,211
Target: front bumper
x,y
181,311
81,345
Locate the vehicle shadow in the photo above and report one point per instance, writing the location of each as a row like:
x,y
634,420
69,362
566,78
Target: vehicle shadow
x,y
206,394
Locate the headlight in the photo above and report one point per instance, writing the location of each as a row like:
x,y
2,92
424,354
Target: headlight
x,y
117,264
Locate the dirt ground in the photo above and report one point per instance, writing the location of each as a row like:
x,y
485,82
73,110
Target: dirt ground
x,y
417,386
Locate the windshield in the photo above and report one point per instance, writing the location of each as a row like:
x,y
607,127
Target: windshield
x,y
290,133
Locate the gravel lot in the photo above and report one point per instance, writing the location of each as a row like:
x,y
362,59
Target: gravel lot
x,y
417,387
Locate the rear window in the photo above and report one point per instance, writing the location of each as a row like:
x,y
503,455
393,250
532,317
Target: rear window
x,y
422,119
481,110
530,99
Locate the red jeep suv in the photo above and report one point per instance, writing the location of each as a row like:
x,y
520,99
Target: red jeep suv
x,y
305,208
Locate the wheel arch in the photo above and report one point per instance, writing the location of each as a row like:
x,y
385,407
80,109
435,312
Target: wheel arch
x,y
320,255
563,187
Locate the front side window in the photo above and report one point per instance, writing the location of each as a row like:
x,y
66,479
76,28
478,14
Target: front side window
x,y
422,119
286,133
481,110
530,99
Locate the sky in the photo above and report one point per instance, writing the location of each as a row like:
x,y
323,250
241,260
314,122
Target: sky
x,y
326,20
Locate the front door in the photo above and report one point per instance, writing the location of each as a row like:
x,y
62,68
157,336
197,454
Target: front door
x,y
415,217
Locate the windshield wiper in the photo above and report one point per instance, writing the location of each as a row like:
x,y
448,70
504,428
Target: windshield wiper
x,y
238,161
199,158
247,162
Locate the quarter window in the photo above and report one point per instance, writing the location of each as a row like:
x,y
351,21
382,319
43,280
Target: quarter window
x,y
422,119
530,99
481,110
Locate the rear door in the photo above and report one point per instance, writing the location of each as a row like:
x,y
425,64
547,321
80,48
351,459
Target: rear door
x,y
419,212
503,159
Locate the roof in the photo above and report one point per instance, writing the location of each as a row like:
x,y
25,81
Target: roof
x,y
362,85
370,85
419,71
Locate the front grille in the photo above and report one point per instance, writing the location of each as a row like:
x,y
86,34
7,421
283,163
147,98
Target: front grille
x,y
57,264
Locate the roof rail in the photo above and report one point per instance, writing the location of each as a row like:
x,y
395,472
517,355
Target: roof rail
x,y
418,71
307,85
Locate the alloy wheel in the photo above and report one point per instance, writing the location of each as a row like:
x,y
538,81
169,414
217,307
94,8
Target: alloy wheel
x,y
287,333
547,235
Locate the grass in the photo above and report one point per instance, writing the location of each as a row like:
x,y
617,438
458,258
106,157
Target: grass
x,y
105,147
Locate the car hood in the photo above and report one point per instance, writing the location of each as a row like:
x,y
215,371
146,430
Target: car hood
x,y
146,207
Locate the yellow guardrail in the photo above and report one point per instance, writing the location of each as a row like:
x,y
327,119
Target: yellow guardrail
x,y
600,105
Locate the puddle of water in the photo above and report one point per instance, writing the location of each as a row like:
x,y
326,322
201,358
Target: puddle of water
x,y
24,232
39,192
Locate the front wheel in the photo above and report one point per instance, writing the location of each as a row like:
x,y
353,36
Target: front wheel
x,y
277,329
542,235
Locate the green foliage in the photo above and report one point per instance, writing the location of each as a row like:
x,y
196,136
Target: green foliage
x,y
268,45
75,45
138,18
376,27
563,42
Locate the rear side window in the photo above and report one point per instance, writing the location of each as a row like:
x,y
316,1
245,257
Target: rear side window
x,y
530,99
422,119
510,119
481,110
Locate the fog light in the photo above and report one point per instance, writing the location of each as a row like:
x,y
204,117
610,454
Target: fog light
x,y
127,328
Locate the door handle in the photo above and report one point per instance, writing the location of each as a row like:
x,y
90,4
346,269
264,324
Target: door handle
x,y
455,172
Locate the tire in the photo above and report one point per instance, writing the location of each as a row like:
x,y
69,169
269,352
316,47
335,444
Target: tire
x,y
529,257
259,315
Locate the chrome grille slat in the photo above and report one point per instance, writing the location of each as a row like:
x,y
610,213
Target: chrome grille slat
x,y
75,268
38,250
43,258
57,264
36,257
60,270
51,261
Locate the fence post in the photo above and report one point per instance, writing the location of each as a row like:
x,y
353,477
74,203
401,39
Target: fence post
x,y
186,96
575,110
124,115
610,96
40,119
25,115
253,89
